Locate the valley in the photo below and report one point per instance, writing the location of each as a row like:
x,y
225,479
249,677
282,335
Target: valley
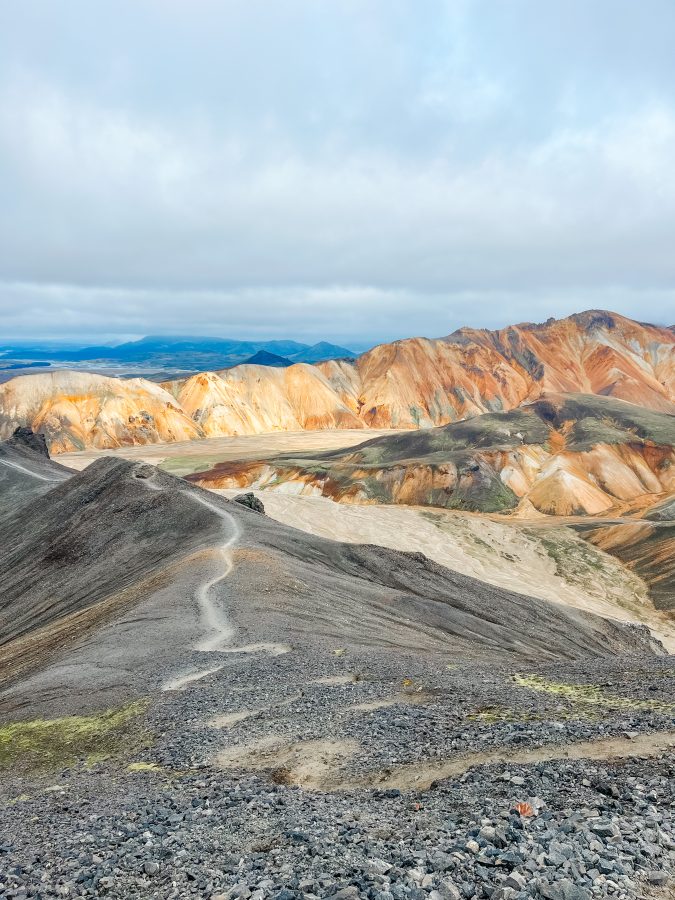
x,y
406,662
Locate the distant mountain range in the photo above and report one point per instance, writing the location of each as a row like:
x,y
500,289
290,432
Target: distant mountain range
x,y
415,383
185,352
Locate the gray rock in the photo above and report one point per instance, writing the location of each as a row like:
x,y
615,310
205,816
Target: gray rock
x,y
516,881
251,501
657,878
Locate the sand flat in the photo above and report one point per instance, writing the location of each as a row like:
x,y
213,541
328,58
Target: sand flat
x,y
183,457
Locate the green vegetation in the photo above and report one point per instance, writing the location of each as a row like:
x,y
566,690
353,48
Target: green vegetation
x,y
145,767
588,695
59,743
485,493
180,466
573,568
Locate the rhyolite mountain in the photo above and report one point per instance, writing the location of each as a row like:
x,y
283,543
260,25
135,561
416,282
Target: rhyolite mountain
x,y
415,383
564,454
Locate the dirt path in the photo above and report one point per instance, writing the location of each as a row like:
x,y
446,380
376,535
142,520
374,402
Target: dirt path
x,y
219,630
14,465
420,776
319,764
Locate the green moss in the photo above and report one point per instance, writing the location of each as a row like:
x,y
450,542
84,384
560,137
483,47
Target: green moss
x,y
145,767
588,695
189,464
58,743
492,714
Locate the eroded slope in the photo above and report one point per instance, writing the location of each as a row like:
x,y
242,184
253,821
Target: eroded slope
x,y
407,384
561,455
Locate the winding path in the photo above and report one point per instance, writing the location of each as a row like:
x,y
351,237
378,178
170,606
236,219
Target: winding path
x,y
219,630
14,465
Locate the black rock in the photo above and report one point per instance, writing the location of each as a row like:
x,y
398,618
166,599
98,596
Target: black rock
x,y
25,437
251,501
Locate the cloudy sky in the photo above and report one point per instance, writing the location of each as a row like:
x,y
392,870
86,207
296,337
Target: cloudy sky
x,y
355,170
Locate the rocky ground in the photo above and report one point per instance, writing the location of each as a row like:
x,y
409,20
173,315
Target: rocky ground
x,y
348,775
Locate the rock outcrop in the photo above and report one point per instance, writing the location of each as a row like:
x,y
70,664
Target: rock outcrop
x,y
251,501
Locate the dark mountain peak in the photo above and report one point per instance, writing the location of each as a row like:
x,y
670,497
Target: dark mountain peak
x,y
596,318
26,438
265,358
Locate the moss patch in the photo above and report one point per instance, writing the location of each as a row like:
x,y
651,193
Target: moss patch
x,y
589,695
58,743
493,714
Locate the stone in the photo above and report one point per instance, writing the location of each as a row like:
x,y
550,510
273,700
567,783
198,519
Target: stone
x,y
516,881
449,890
251,502
657,878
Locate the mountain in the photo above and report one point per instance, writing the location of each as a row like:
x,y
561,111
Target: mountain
x,y
76,410
407,384
320,353
257,399
188,352
564,454
265,358
99,573
421,383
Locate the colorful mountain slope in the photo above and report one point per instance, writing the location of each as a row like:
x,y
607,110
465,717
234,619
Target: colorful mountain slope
x,y
422,382
561,455
76,410
648,549
407,384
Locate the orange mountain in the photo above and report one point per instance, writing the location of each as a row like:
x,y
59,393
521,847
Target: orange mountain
x,y
407,384
420,382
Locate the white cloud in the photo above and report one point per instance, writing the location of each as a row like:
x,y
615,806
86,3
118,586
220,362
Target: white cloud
x,y
385,190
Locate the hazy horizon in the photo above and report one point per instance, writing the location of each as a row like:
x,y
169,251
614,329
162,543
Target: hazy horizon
x,y
105,340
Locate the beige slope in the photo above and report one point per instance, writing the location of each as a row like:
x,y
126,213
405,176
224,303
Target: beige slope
x,y
77,409
551,562
259,399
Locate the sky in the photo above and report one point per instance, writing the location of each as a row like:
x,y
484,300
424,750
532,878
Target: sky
x,y
349,170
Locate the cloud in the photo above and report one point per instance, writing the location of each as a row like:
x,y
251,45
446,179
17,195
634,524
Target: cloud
x,y
354,315
417,182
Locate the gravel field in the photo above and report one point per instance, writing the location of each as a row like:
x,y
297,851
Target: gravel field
x,y
309,775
